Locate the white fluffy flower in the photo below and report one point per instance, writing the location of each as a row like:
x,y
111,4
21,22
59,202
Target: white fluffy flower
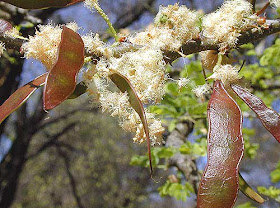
x,y
228,74
174,25
201,90
225,25
275,3
44,45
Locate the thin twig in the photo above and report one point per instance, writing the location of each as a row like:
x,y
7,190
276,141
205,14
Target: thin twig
x,y
263,9
71,177
51,141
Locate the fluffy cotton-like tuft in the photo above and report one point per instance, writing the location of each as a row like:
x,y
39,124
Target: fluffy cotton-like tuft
x,y
13,33
182,82
228,74
144,68
91,4
201,90
225,25
174,25
93,44
44,45
275,3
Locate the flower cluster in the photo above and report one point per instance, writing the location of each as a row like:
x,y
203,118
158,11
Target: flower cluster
x,y
275,3
174,25
225,25
44,45
227,73
91,3
201,90
144,68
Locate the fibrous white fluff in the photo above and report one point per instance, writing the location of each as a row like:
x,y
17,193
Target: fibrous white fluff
x,y
145,71
275,3
93,44
12,33
228,74
182,82
44,45
174,25
91,4
201,90
225,24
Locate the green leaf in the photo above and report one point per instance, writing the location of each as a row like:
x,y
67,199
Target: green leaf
x,y
272,192
166,152
198,149
219,184
275,174
61,81
20,96
39,4
125,86
248,191
177,190
245,205
271,55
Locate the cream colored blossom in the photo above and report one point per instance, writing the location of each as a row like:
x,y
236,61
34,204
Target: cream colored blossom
x,y
275,3
91,4
174,25
182,82
44,45
12,33
225,25
93,44
201,90
228,74
144,68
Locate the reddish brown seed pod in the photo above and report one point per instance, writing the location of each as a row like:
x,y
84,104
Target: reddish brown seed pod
x,y
269,118
219,184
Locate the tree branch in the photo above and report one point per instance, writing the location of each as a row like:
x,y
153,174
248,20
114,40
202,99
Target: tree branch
x,y
52,141
71,177
194,46
65,116
185,163
272,87
251,35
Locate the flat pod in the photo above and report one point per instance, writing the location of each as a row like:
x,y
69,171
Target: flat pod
x,y
219,184
39,4
61,81
125,86
269,118
20,96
